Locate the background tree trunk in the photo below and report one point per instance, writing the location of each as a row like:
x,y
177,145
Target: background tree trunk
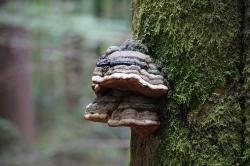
x,y
73,73
204,49
15,88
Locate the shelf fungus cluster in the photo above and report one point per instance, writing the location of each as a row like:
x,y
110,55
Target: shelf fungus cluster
x,y
128,87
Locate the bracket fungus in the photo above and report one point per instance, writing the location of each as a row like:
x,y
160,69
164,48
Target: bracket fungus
x,y
102,107
137,112
128,85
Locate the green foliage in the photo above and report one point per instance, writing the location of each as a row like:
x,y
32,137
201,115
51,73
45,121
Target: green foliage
x,y
61,18
9,133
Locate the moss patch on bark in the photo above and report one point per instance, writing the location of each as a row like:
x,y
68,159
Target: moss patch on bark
x,y
196,42
246,90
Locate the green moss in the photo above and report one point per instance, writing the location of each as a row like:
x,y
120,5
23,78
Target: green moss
x,y
214,138
193,41
246,92
247,112
176,147
247,131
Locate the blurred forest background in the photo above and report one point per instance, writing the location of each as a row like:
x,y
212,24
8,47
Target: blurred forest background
x,y
48,50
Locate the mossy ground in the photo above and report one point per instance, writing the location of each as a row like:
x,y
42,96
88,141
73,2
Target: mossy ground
x,y
197,44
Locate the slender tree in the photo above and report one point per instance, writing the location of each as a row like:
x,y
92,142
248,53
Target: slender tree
x,y
204,49
15,87
73,73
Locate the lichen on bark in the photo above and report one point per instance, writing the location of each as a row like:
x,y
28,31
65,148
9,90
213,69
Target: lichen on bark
x,y
198,44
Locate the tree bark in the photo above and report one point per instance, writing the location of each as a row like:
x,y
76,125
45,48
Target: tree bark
x,y
73,73
204,49
15,91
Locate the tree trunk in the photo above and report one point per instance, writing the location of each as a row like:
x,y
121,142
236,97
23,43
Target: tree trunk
x,y
203,47
15,91
73,73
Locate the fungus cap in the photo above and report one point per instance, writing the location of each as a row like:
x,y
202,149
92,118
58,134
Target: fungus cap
x,y
130,70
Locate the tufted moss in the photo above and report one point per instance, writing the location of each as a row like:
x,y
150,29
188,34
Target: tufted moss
x,y
213,135
191,40
175,147
247,84
195,41
247,121
247,114
216,136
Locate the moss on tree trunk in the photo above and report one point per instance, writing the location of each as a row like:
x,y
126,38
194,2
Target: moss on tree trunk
x,y
204,49
246,87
